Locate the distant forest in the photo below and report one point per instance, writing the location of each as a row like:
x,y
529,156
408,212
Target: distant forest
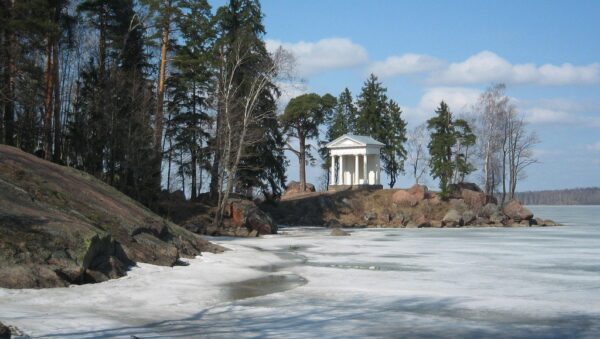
x,y
575,196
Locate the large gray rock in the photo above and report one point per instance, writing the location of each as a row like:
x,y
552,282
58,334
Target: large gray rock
x,y
419,220
474,199
421,192
338,232
60,226
245,214
514,210
452,218
400,218
464,185
370,216
405,199
488,210
497,218
5,332
469,217
293,188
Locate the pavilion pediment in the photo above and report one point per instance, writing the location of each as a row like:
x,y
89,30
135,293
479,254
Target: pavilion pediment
x,y
348,141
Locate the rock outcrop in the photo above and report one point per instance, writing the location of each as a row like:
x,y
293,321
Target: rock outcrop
x,y
413,207
338,232
5,332
293,188
514,210
452,219
421,192
410,197
404,198
242,218
474,199
60,226
245,213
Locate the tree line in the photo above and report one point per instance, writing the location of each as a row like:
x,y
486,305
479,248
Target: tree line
x,y
575,196
162,94
492,136
141,93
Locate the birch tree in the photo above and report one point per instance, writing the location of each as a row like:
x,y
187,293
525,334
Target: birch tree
x,y
490,108
521,152
239,101
506,147
417,156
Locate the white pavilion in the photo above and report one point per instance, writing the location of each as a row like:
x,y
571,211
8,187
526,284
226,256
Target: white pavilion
x,y
354,161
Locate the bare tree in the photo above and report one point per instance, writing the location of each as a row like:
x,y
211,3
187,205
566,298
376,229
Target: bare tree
x,y
521,153
239,105
505,147
489,109
417,155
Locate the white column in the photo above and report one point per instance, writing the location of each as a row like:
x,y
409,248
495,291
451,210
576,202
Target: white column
x,y
377,170
341,173
332,170
365,173
355,176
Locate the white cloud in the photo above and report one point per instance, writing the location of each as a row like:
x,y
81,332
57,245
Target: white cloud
x,y
459,99
405,64
486,67
594,147
539,115
560,111
323,55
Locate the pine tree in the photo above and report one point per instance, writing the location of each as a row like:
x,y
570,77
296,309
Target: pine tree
x,y
342,120
239,29
372,104
448,148
116,104
443,139
381,119
465,139
188,89
301,120
240,33
394,153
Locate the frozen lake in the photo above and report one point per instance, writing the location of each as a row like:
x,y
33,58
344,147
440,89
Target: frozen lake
x,y
470,282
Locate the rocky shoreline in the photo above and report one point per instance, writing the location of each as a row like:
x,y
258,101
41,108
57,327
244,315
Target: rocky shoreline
x,y
399,208
60,226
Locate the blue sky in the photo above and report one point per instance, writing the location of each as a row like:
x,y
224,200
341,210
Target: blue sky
x,y
547,52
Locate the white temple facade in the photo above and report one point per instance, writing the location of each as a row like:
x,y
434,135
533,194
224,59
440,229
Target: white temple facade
x,y
354,161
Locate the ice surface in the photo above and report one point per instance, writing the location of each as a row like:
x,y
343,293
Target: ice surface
x,y
493,282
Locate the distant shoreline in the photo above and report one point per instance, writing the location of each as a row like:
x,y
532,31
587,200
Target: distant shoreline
x,y
566,197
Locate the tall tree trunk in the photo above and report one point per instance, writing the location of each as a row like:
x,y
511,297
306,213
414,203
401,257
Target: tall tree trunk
x,y
170,156
182,173
302,157
10,71
503,176
48,95
194,162
57,104
214,170
160,100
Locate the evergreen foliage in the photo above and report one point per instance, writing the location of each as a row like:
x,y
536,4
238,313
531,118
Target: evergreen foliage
x,y
382,119
301,120
446,133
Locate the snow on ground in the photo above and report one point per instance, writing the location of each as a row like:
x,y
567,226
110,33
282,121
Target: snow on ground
x,y
496,282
